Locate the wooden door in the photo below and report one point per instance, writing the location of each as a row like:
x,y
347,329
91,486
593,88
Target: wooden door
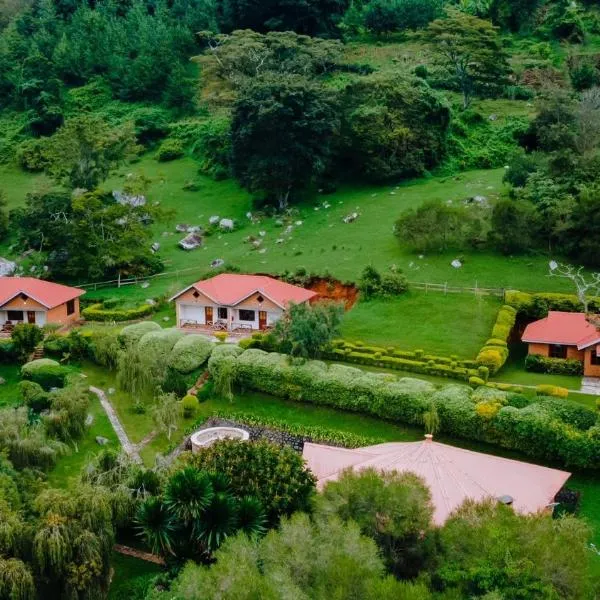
x,y
208,315
262,319
31,316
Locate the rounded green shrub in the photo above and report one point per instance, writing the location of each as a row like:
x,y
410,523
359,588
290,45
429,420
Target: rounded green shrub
x,y
170,149
189,405
46,372
190,353
132,334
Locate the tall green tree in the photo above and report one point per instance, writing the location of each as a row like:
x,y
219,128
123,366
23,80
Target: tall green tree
x,y
85,149
470,50
305,329
281,136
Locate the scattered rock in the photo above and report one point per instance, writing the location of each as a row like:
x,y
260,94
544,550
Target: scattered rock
x,y
350,218
155,247
145,284
126,199
262,233
89,420
7,267
226,224
214,219
298,223
191,241
279,241
218,262
256,243
262,250
181,228
111,391
457,264
151,301
493,117
2,381
165,319
102,441
278,223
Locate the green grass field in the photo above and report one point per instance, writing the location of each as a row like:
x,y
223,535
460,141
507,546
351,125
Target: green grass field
x,y
322,242
132,577
435,322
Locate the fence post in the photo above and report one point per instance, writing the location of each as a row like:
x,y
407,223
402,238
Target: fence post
x,y
445,288
426,287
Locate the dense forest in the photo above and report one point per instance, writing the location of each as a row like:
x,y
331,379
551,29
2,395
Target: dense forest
x,y
275,95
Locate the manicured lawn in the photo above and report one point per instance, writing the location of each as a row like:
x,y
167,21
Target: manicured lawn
x,y
69,467
9,391
514,372
132,577
438,323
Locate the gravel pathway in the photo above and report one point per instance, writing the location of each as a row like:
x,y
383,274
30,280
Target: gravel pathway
x,y
111,413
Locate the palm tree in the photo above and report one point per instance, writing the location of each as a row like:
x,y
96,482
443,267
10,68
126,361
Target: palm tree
x,y
155,524
217,521
252,518
188,493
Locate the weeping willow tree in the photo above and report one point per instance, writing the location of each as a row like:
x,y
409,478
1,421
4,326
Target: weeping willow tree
x,y
223,378
16,580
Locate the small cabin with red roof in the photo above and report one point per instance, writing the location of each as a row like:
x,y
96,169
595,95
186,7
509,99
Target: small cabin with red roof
x,y
236,302
566,335
30,300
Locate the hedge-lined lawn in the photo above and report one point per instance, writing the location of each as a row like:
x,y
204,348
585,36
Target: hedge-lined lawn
x,y
69,467
438,323
9,391
514,372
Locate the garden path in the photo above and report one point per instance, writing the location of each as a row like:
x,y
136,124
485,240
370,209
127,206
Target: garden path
x,y
111,413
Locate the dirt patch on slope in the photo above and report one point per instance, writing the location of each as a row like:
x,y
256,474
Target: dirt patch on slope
x,y
332,289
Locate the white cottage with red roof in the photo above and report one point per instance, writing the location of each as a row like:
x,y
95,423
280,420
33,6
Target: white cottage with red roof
x,y
231,301
30,300
566,335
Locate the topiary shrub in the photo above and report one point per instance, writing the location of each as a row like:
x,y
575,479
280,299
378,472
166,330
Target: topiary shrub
x,y
99,312
46,372
190,353
536,363
189,406
551,390
572,413
34,396
132,334
476,381
491,357
159,343
170,149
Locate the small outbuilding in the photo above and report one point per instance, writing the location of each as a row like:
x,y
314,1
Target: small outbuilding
x,y
235,302
452,474
31,300
566,335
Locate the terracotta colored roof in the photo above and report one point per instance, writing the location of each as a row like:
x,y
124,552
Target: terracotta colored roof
x,y
230,289
565,328
452,474
45,292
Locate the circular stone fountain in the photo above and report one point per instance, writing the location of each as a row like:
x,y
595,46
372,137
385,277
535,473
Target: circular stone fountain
x,y
206,437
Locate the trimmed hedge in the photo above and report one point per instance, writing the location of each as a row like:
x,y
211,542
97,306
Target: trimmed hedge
x,y
160,343
46,372
494,353
533,429
537,363
99,312
403,360
190,353
132,334
551,390
536,306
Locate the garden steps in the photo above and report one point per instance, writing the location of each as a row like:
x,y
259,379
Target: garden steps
x,y
590,385
37,353
147,556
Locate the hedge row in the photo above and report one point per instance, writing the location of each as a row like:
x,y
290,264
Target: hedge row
x,y
536,306
532,429
98,312
537,363
494,353
416,361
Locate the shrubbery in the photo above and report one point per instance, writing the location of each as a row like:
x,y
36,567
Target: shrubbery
x,y
46,372
169,150
190,353
99,312
495,352
403,360
537,363
531,429
132,334
536,306
374,285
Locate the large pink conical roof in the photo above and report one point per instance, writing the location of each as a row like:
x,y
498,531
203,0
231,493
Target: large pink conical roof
x,y
452,474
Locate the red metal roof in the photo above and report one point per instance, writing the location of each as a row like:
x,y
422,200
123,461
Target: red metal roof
x,y
230,289
564,328
452,474
45,292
